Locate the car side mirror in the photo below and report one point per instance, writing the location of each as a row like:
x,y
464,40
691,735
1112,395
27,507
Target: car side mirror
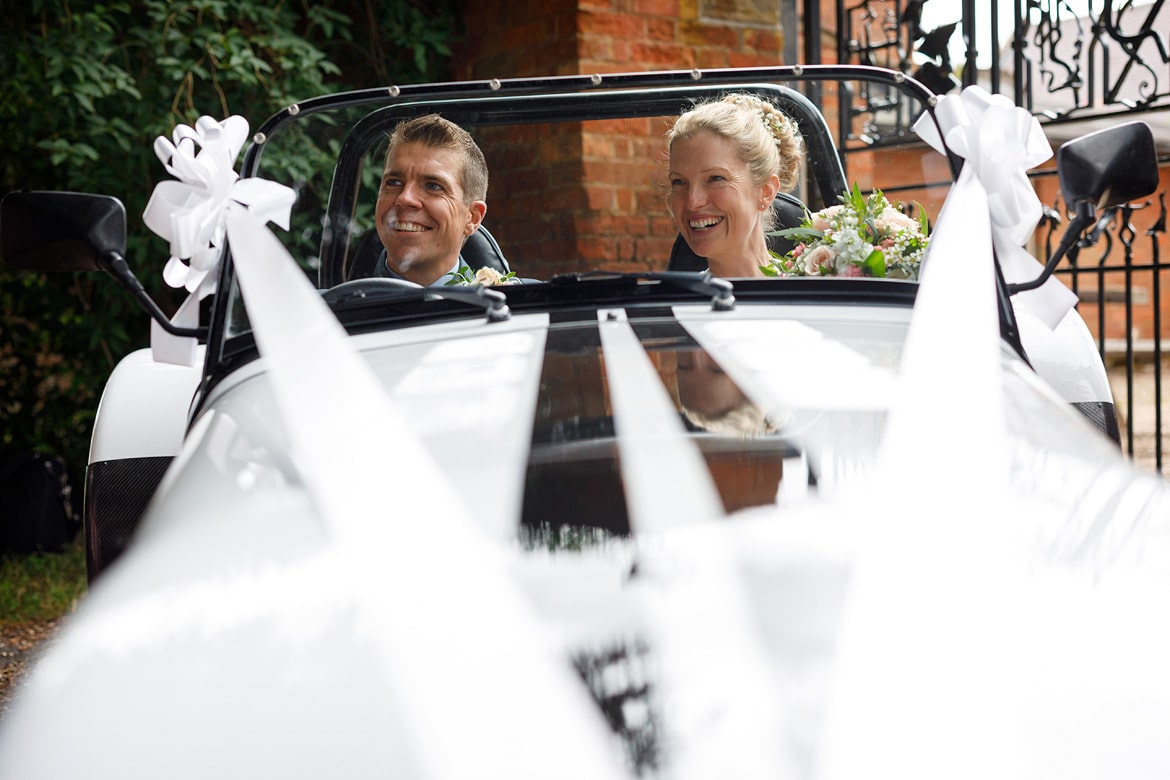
x,y
1100,170
1109,167
61,231
74,231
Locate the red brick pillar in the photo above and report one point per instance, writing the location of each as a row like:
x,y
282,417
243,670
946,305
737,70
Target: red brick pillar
x,y
578,197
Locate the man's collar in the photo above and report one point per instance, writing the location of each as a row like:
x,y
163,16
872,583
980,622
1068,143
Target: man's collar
x,y
383,269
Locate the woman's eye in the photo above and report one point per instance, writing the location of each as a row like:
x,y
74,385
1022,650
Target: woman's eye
x,y
677,183
716,178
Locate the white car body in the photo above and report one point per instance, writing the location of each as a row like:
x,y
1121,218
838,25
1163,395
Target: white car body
x,y
451,546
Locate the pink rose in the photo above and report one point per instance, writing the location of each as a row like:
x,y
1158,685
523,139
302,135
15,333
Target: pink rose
x,y
852,270
891,218
820,220
818,261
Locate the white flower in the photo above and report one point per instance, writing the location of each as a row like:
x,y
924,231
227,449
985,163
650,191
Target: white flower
x,y
487,276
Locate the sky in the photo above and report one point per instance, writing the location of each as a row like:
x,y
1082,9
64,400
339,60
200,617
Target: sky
x,y
936,13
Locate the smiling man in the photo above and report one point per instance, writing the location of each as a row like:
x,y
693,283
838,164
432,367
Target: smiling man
x,y
432,197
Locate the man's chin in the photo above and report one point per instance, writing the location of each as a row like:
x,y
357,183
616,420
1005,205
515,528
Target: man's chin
x,y
416,270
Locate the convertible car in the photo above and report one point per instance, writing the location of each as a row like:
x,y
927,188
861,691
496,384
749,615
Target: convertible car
x,y
623,519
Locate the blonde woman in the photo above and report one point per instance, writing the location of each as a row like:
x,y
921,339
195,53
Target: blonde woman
x,y
728,159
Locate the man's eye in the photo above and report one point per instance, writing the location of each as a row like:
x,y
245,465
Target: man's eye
x,y
434,186
391,183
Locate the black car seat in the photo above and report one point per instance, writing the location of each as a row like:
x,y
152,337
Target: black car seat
x,y
479,251
790,212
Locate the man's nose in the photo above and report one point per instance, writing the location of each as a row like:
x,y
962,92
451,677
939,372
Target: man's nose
x,y
409,194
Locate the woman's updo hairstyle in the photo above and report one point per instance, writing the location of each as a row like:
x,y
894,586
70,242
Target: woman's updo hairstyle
x,y
766,140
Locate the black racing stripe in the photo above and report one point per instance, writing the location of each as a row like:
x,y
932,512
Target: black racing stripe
x,y
573,480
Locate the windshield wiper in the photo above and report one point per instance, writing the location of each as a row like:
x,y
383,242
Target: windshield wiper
x,y
364,292
703,282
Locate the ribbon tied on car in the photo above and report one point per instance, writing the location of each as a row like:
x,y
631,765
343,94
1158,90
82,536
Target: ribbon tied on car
x,y
191,213
340,449
999,142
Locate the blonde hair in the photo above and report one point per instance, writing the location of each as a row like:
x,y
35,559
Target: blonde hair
x,y
766,140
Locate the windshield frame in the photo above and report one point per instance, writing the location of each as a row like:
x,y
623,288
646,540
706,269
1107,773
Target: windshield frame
x,y
526,99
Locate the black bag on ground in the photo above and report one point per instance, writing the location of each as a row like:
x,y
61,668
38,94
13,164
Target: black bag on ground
x,y
36,503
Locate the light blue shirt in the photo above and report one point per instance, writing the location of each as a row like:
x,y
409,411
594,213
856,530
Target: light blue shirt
x,y
384,270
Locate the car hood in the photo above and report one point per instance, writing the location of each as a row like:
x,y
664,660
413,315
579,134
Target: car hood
x,y
240,605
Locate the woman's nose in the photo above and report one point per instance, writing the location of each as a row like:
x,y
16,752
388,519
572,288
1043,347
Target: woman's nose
x,y
696,196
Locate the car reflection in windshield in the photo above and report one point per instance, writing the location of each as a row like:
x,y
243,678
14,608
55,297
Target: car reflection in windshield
x,y
746,470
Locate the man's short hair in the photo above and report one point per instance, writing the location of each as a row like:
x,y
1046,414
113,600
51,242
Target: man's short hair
x,y
436,132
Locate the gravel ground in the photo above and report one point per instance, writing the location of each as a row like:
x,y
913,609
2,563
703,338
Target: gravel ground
x,y
19,646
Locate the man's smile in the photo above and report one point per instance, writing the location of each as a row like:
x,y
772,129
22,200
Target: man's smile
x,y
410,227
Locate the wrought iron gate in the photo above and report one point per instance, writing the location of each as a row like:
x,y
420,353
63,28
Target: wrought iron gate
x,y
1071,71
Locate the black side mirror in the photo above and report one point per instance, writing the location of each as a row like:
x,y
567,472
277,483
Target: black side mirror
x,y
1109,167
74,231
61,231
1100,170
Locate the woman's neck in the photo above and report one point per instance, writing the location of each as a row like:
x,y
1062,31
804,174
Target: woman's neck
x,y
742,264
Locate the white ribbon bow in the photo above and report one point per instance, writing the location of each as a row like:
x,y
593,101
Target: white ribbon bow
x,y
473,632
191,214
999,142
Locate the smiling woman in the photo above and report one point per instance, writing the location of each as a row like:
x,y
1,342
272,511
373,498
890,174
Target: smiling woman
x,y
728,160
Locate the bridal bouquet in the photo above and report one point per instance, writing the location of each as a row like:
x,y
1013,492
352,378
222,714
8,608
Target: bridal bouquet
x,y
863,236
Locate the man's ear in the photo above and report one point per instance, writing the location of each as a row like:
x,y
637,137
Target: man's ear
x,y
478,208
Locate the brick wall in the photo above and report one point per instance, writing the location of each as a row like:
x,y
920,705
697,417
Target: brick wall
x,y
593,196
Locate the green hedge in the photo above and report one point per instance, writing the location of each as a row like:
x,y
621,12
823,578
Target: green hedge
x,y
84,90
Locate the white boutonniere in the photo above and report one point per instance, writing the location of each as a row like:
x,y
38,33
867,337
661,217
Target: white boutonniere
x,y
486,277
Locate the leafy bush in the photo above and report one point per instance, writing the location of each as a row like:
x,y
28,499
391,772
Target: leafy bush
x,y
85,88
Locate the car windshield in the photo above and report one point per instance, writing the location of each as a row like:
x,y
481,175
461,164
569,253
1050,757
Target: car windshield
x,y
578,179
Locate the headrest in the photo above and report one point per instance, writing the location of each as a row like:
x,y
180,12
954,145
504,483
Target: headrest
x,y
481,251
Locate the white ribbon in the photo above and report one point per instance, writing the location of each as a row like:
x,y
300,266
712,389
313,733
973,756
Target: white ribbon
x,y
999,142
921,648
191,214
468,660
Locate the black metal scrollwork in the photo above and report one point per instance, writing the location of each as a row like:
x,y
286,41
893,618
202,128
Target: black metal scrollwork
x,y
1113,59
